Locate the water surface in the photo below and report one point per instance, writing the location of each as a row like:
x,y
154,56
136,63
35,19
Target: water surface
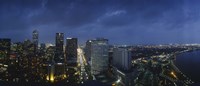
x,y
189,64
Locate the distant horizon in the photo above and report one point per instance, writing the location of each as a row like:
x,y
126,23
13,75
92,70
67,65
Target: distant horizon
x,y
95,38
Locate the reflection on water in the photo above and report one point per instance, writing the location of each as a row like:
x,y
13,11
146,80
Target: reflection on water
x,y
189,64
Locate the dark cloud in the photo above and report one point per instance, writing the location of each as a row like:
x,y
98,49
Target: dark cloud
x,y
122,21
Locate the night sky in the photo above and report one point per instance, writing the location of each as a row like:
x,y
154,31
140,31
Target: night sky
x,y
120,21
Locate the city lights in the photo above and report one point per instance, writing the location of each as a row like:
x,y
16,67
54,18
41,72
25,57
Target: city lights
x,y
118,80
95,61
172,73
99,42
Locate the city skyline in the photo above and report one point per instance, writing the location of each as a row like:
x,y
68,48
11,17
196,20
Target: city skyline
x,y
100,42
125,22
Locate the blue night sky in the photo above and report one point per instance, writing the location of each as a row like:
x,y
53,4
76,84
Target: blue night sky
x,y
120,21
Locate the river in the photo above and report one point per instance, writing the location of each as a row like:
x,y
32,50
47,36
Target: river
x,y
189,64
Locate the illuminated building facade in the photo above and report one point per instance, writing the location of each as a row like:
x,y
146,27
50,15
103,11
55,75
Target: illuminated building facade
x,y
88,50
59,54
122,58
42,48
71,51
51,64
35,40
99,55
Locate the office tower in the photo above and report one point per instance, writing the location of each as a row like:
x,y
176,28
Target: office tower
x,y
29,47
59,42
122,58
29,59
35,40
71,51
42,46
99,55
88,50
51,64
5,45
59,55
42,49
110,57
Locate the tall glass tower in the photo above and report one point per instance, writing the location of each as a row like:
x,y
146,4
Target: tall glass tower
x,y
99,55
71,51
35,40
59,54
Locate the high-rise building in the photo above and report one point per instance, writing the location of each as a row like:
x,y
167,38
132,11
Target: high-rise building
x,y
59,41
99,55
59,54
71,51
56,70
28,47
122,58
5,45
42,46
35,40
110,57
88,50
51,64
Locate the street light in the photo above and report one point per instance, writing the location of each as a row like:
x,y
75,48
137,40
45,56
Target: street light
x,y
172,73
119,80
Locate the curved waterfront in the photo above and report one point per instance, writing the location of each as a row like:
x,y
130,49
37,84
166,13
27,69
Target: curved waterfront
x,y
189,64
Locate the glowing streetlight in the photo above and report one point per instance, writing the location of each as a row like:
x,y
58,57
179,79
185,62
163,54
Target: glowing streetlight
x,y
119,80
172,73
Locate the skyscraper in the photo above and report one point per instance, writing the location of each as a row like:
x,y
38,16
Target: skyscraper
x,y
59,55
42,48
122,58
51,64
71,51
35,40
88,50
99,55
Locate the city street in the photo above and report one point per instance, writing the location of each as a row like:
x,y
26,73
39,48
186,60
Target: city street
x,y
82,62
